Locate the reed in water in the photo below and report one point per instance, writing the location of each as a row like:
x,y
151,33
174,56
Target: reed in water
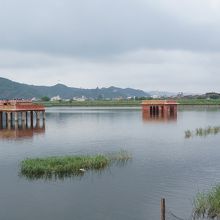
x,y
207,205
62,166
202,132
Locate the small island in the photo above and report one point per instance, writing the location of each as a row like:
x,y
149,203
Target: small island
x,y
74,165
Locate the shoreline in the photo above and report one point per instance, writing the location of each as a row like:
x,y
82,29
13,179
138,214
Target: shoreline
x,y
122,104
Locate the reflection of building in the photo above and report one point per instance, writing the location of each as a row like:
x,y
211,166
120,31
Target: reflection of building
x,y
159,118
22,132
13,111
159,110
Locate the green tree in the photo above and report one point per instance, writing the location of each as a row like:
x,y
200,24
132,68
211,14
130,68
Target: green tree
x,y
45,98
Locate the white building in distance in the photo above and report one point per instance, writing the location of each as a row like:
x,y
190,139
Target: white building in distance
x,y
55,98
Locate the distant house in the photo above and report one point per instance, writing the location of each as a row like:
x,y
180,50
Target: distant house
x,y
155,96
81,99
55,98
130,97
34,99
118,98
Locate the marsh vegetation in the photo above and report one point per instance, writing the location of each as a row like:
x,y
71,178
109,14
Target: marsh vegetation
x,y
202,132
75,165
207,205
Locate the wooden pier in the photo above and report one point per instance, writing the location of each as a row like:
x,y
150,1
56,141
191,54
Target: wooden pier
x,y
15,112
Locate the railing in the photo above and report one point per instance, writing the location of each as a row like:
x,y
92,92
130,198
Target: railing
x,y
22,107
159,102
15,100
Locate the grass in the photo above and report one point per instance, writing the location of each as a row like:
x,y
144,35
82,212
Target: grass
x,y
188,134
98,103
198,101
126,103
207,205
64,166
202,132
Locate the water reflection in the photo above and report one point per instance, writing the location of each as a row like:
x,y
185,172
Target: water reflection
x,y
150,117
21,131
164,164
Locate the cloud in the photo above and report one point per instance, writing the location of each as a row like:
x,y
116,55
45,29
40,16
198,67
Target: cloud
x,y
100,28
149,44
174,70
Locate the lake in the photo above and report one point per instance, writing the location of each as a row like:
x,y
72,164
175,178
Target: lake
x,y
164,164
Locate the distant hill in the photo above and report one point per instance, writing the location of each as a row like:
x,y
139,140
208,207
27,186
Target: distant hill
x,y
209,95
10,90
162,93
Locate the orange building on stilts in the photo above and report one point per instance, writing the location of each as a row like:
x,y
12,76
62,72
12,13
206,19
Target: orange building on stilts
x,y
14,111
159,108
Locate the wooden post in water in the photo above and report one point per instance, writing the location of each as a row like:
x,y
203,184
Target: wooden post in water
x,y
162,209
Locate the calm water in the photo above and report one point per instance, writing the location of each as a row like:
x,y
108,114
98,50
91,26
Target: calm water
x,y
164,164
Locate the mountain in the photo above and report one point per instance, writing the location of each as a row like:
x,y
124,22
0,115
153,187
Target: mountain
x,y
162,93
10,90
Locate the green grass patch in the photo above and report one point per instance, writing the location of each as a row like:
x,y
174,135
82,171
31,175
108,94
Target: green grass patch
x,y
64,166
198,101
207,205
125,103
93,103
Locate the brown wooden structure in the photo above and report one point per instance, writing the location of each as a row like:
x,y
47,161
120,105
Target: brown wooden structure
x,y
13,111
162,108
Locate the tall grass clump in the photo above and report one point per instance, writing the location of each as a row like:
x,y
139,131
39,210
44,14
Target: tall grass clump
x,y
188,134
207,205
64,166
121,156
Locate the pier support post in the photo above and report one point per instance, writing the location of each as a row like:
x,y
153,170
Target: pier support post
x,y
38,115
44,115
1,121
26,118
23,124
16,124
160,111
23,119
23,116
32,118
38,123
16,116
44,123
165,110
175,111
9,120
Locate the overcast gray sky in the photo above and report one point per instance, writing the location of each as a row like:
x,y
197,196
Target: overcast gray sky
x,y
170,45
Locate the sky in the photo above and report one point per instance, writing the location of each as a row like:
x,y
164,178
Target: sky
x,y
166,45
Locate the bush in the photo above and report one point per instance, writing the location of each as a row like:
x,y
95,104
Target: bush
x,y
45,98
